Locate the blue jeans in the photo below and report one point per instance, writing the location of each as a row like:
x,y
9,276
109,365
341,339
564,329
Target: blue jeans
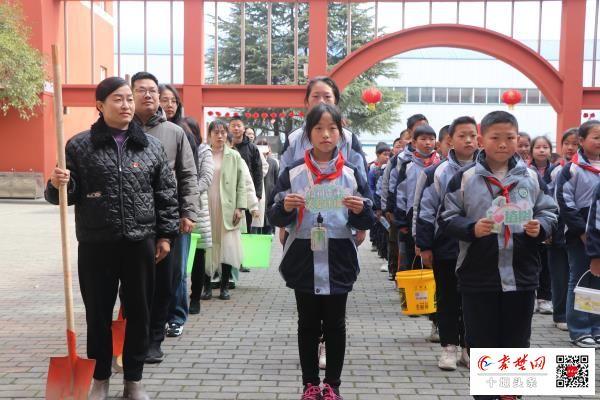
x,y
558,264
178,310
580,323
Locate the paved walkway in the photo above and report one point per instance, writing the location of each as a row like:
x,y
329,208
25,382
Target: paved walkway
x,y
239,349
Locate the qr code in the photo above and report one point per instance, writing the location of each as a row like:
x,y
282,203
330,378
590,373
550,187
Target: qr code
x,y
572,371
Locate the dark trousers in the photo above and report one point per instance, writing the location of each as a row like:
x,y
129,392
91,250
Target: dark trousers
x,y
449,308
330,311
497,319
392,250
166,284
544,291
198,274
101,267
558,264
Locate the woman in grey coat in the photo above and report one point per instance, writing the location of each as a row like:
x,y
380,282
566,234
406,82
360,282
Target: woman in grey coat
x,y
205,173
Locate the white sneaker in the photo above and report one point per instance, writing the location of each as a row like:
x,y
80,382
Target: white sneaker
x,y
434,336
384,268
562,326
448,358
545,307
465,360
322,356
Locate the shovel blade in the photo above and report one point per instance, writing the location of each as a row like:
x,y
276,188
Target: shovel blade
x,y
118,336
69,381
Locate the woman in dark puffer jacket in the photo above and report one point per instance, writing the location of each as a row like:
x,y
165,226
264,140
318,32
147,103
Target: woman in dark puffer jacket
x,y
126,212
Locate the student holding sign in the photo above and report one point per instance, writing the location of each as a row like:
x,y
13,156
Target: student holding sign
x,y
497,273
320,199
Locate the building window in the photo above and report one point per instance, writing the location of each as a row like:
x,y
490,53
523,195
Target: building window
x,y
543,99
493,96
103,73
453,95
426,95
413,95
479,96
533,96
466,95
441,95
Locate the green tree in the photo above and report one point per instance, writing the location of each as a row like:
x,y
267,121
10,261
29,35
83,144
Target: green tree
x,y
21,66
358,116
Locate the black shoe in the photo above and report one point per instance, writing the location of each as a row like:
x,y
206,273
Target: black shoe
x,y
174,329
206,289
155,354
194,307
244,269
231,285
224,294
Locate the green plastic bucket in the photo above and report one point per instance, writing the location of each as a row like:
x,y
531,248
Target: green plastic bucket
x,y
257,250
192,252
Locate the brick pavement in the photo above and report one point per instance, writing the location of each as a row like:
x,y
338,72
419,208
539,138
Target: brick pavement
x,y
239,349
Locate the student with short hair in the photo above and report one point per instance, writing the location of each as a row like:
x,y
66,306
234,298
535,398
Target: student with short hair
x,y
497,273
444,143
438,250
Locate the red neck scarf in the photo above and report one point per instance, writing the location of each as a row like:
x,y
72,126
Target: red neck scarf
x,y
429,160
320,177
575,160
505,192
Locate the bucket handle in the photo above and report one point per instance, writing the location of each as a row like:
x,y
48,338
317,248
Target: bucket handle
x,y
412,266
584,274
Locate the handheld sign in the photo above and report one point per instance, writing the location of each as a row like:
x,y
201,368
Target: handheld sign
x,y
324,197
503,213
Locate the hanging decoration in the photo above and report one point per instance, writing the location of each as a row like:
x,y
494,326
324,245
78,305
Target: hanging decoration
x,y
371,97
264,115
511,97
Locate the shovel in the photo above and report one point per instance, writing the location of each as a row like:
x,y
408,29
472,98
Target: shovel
x,y
68,377
118,339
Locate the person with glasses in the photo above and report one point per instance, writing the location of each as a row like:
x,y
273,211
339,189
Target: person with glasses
x,y
151,117
227,200
170,102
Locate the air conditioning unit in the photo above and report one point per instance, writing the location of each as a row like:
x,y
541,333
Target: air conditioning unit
x,y
21,185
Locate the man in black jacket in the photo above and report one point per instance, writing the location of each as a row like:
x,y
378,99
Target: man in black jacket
x,y
251,156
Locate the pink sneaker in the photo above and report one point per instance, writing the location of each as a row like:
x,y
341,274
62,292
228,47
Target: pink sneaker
x,y
311,392
330,394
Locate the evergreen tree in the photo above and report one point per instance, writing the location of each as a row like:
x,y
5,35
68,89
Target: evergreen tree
x,y
21,66
357,114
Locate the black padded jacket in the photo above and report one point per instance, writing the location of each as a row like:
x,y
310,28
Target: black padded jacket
x,y
128,193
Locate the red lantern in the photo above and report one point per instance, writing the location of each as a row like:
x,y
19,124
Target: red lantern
x,y
264,115
273,115
248,115
236,114
227,115
282,115
511,97
371,97
301,114
210,113
585,115
291,114
592,115
255,115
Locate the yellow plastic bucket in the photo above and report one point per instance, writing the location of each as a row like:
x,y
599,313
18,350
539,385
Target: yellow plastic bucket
x,y
417,291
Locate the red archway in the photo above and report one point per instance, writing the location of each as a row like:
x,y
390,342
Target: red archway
x,y
501,47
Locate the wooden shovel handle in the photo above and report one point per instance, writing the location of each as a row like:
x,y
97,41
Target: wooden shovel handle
x,y
62,192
